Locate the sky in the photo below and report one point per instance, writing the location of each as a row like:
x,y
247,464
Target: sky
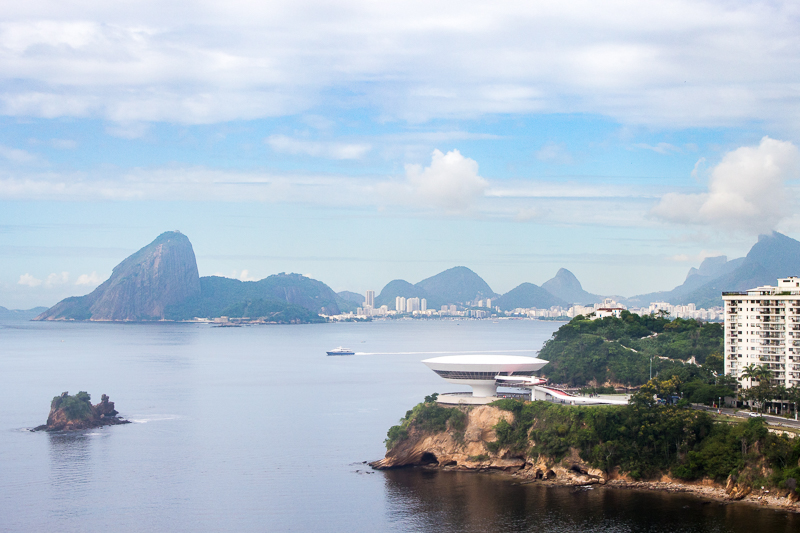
x,y
360,142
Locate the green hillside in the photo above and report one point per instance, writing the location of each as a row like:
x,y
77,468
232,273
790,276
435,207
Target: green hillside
x,y
619,350
272,311
218,294
527,295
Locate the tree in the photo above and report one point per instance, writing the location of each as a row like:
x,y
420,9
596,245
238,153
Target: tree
x,y
755,372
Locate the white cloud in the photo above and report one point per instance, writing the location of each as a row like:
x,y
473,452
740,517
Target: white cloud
x,y
661,148
694,258
209,62
63,144
128,130
244,275
450,182
88,279
330,150
746,191
554,153
699,167
28,280
15,155
56,279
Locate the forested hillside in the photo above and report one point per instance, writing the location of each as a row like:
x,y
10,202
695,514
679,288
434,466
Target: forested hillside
x,y
619,350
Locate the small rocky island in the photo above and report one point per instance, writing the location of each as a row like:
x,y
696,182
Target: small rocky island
x,y
71,413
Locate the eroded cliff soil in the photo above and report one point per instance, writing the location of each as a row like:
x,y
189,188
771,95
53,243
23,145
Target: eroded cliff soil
x,y
468,450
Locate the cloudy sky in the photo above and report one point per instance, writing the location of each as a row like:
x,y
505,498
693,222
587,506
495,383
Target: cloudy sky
x,y
359,142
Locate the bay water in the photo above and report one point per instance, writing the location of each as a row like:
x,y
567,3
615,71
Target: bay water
x,y
256,429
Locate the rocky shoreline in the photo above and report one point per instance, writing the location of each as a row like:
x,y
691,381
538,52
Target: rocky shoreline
x,y
456,451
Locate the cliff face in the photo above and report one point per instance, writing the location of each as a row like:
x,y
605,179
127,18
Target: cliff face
x,y
469,451
162,273
474,447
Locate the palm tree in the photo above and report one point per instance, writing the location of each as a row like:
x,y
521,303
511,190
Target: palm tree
x,y
757,373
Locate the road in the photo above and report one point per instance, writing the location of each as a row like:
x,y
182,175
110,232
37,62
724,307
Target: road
x,y
771,419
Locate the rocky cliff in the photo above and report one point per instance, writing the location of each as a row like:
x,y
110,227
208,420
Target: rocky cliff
x,y
469,442
71,413
161,274
469,450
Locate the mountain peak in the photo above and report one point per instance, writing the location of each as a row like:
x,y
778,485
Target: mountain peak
x,y
777,253
565,285
162,273
457,284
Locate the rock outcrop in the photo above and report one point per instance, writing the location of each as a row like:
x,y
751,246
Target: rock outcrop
x,y
70,413
161,274
469,451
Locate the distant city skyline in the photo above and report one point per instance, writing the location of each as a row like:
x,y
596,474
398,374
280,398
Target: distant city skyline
x,y
624,142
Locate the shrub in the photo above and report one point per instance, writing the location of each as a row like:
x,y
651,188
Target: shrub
x,y
77,407
427,417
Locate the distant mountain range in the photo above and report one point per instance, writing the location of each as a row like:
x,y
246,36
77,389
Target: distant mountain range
x,y
773,256
20,314
161,281
456,285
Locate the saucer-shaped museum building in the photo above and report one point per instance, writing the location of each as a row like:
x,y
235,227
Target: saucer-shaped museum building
x,y
483,372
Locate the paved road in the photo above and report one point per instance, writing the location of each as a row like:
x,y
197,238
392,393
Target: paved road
x,y
771,419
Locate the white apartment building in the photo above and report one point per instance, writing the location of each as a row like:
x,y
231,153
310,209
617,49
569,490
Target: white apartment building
x,y
423,305
762,327
412,304
400,304
369,301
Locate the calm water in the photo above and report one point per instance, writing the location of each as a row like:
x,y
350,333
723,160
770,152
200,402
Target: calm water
x,y
255,429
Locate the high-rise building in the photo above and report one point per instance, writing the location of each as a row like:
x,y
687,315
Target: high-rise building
x,y
489,303
369,301
400,304
412,304
762,327
423,305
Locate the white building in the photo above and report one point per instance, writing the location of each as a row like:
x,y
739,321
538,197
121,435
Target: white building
x,y
480,371
369,301
412,304
400,304
762,327
423,305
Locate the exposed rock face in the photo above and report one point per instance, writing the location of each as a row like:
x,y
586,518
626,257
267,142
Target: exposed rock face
x,y
161,274
468,451
449,448
70,413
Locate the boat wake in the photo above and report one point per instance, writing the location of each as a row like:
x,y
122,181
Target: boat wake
x,y
445,353
144,419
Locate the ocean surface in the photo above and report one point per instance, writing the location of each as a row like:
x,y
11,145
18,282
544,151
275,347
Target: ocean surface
x,y
256,429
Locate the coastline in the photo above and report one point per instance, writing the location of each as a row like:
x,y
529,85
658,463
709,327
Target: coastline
x,y
469,443
703,490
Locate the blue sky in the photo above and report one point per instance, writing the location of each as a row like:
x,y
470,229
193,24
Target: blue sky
x,y
363,142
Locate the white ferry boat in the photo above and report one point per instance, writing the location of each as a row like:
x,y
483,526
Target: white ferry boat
x,y
341,351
